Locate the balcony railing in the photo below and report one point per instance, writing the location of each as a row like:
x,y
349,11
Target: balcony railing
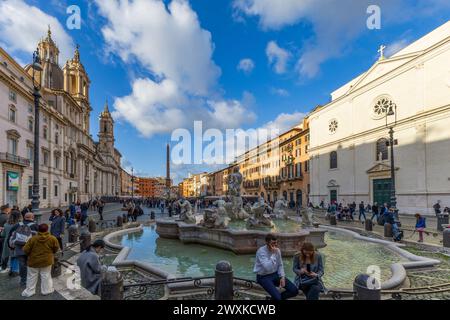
x,y
10,158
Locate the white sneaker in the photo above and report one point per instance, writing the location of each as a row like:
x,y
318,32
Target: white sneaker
x,y
26,294
48,293
5,270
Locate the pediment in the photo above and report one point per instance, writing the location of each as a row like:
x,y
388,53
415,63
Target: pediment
x,y
380,167
381,68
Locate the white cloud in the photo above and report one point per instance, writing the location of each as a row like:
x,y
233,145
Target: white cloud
x,y
396,46
169,43
335,24
23,25
279,92
246,65
278,57
285,121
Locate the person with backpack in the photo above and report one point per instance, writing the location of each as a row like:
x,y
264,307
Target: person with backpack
x,y
58,226
6,256
40,251
437,208
18,237
420,225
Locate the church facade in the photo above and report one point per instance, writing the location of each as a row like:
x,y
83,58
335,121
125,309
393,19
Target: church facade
x,y
72,165
350,150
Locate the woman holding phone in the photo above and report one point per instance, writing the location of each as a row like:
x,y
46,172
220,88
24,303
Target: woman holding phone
x,y
309,269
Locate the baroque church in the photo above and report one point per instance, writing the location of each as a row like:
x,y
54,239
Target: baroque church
x,y
73,165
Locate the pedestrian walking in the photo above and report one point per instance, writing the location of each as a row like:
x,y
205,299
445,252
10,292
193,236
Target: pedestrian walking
x,y
362,211
100,206
40,251
18,237
58,226
7,257
420,225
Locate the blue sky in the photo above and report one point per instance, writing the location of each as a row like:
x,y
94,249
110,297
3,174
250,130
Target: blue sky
x,y
164,64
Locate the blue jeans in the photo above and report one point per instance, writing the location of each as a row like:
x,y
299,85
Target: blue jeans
x,y
362,213
14,264
375,215
271,283
312,291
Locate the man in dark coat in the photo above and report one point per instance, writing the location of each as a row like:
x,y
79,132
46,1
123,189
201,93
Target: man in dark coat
x,y
90,267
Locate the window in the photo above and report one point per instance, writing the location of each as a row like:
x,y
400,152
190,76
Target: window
x,y
12,146
12,114
30,192
56,191
333,160
57,160
45,158
333,126
30,108
30,180
307,166
44,193
45,132
30,124
30,153
299,169
12,96
306,149
56,138
382,150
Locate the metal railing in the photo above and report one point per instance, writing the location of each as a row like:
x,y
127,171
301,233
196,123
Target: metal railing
x,y
11,158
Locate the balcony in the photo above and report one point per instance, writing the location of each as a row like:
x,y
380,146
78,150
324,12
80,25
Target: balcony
x,y
13,159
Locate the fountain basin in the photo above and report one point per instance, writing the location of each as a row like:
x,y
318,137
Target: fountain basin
x,y
238,241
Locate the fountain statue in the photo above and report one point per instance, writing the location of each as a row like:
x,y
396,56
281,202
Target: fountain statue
x,y
279,211
307,217
213,218
186,214
235,208
259,218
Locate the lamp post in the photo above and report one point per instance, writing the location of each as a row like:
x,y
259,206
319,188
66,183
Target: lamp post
x,y
36,67
391,112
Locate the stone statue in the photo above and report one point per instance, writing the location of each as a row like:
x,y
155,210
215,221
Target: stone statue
x,y
259,218
186,214
234,183
280,205
213,219
307,217
235,208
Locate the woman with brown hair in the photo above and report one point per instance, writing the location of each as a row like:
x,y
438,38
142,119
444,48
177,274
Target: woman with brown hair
x,y
309,269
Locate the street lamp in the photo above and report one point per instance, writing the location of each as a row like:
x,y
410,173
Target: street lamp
x,y
36,67
132,184
391,112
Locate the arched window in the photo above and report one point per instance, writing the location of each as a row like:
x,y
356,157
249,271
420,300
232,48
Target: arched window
x,y
382,150
333,160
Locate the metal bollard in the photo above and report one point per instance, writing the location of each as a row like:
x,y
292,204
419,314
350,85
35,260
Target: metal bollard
x,y
152,215
366,288
388,230
441,220
368,225
73,233
92,226
56,267
333,220
224,281
446,235
85,238
111,287
119,221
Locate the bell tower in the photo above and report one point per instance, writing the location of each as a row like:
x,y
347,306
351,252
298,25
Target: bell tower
x,y
106,131
77,83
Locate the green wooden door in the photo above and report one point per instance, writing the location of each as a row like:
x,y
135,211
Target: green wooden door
x,y
382,191
333,196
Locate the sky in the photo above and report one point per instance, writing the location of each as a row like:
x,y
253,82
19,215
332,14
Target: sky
x,y
232,64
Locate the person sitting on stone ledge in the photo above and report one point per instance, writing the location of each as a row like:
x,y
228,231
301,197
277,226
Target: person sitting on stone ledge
x,y
309,269
91,267
270,271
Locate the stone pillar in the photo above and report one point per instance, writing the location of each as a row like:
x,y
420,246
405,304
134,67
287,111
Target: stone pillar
x,y
388,230
85,238
333,220
56,267
446,235
224,281
92,226
366,288
73,233
368,225
111,287
441,220
119,222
